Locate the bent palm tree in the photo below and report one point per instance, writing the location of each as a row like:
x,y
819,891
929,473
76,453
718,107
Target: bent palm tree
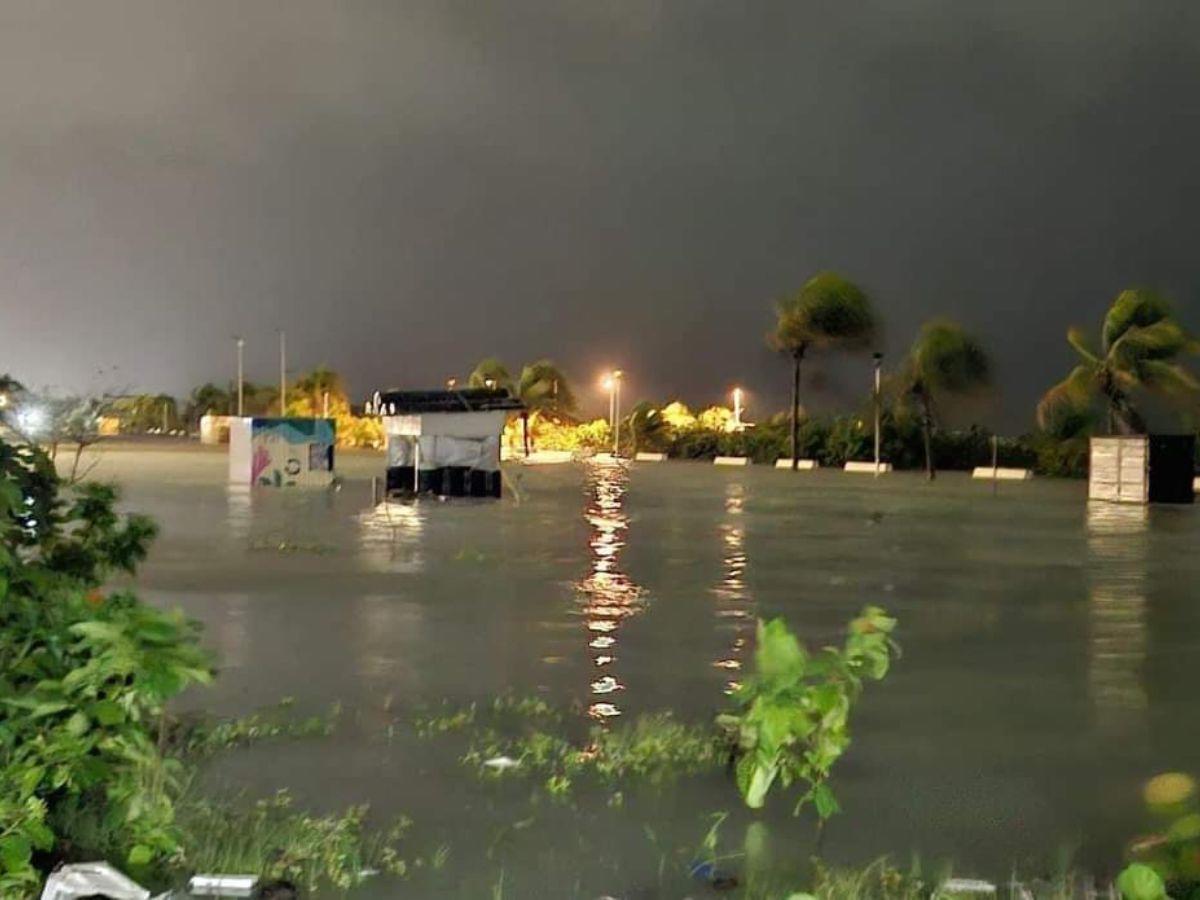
x,y
491,373
543,389
945,359
1140,344
829,312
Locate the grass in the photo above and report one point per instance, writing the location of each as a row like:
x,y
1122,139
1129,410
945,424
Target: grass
x,y
272,840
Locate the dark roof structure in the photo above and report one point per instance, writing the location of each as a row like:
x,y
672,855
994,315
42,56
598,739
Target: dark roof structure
x,y
408,403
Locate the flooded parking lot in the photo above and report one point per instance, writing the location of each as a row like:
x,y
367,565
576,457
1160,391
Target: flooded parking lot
x,y
1048,649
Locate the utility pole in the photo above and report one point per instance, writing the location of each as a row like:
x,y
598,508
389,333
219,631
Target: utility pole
x,y
878,360
241,379
282,373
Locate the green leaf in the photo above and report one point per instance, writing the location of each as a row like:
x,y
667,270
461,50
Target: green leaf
x,y
824,801
1140,882
78,724
15,852
107,712
140,855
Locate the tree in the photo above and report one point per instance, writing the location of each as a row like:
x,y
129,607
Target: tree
x,y
314,387
1140,347
944,360
647,427
491,373
828,313
209,398
544,390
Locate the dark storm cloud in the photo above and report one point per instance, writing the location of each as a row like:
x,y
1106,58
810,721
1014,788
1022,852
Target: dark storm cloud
x,y
408,186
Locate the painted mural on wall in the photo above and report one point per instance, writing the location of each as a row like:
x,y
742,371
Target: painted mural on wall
x,y
287,452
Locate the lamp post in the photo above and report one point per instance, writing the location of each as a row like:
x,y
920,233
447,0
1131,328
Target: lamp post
x,y
737,409
878,357
241,378
282,374
612,383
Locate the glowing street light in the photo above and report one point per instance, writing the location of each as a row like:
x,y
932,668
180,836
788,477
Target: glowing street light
x,y
451,383
31,420
612,384
490,383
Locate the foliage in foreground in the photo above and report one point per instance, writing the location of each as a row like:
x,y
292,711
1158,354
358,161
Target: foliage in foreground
x,y
85,678
795,709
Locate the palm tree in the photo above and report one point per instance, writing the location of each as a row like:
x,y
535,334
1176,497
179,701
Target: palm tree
x,y
829,312
491,373
945,359
544,390
208,398
1140,345
647,427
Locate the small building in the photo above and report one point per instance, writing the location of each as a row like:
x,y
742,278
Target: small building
x,y
1142,468
214,429
444,442
292,452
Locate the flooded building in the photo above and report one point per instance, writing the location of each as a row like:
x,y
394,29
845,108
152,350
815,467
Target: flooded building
x,y
444,442
292,452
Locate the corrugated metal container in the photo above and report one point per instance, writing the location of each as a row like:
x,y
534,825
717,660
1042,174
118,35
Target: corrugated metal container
x,y
1142,469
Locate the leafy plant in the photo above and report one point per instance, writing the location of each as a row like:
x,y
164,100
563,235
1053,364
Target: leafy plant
x,y
794,723
84,677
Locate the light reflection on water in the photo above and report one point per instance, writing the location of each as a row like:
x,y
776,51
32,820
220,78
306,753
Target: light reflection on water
x,y
733,601
1117,541
390,537
608,596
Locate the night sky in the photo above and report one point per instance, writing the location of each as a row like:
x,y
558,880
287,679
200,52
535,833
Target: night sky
x,y
406,187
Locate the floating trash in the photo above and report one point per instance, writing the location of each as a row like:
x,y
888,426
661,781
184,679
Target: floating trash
x,y
92,879
222,885
501,763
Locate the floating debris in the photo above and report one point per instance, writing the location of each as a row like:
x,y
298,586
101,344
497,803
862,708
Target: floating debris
x,y
92,879
501,763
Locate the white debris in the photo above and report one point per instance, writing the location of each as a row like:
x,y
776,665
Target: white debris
x,y
501,763
967,886
89,880
222,885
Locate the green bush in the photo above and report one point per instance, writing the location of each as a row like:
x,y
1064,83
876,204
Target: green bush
x,y
84,679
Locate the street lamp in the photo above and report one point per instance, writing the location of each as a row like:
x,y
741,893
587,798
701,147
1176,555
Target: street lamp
x,y
241,343
878,358
612,384
490,383
737,409
451,383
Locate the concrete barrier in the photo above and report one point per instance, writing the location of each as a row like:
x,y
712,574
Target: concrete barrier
x,y
1001,474
650,457
731,460
867,468
806,465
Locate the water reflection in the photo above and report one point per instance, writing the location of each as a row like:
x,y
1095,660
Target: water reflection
x,y
239,514
1117,540
390,537
733,601
608,596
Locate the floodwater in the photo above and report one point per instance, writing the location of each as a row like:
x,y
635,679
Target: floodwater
x,y
1049,652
